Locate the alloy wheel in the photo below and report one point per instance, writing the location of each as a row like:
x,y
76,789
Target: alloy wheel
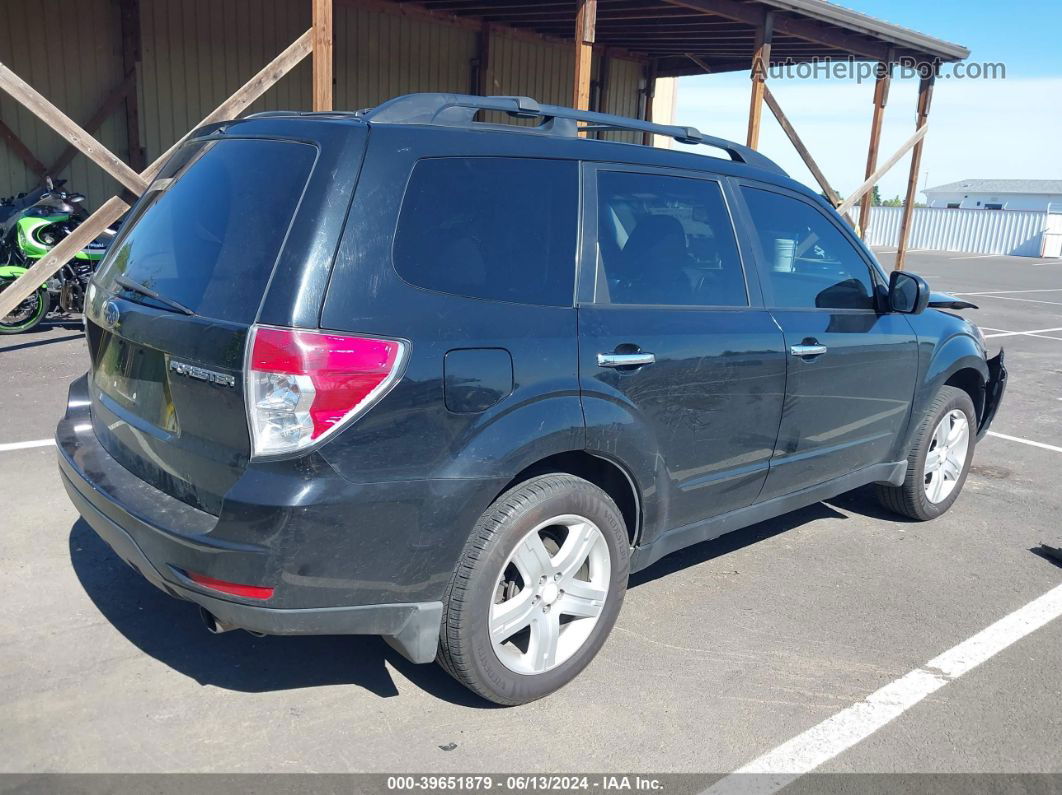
x,y
947,455
550,594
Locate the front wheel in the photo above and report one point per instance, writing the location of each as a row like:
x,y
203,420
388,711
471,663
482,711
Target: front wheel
x,y
537,590
27,314
939,459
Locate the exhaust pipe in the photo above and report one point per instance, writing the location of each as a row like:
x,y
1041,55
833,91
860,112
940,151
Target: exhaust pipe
x,y
213,625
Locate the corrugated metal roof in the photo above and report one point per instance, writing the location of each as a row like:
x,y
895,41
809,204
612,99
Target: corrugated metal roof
x,y
1041,186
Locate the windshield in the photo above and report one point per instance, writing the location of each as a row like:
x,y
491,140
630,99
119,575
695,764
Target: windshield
x,y
209,233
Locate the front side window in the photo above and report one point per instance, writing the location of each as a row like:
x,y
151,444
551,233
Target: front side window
x,y
498,228
665,240
809,262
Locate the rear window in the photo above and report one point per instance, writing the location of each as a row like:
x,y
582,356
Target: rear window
x,y
491,227
209,238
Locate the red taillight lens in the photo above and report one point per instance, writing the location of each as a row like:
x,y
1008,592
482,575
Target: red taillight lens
x,y
246,591
301,385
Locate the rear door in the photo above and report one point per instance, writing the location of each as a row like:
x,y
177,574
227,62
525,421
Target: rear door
x,y
171,306
852,364
672,338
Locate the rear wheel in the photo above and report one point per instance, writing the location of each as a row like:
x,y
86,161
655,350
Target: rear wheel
x,y
27,314
939,459
537,591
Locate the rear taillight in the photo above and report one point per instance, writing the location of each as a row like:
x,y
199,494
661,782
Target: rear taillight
x,y
303,385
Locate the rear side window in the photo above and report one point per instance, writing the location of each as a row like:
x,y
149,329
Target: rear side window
x,y
665,240
810,264
210,238
491,227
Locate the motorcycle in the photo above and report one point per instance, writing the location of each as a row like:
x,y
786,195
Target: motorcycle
x,y
31,225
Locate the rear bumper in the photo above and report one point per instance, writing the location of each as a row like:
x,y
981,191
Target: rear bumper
x,y
412,628
358,559
994,389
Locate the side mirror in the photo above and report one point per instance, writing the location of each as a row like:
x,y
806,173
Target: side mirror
x,y
908,293
76,198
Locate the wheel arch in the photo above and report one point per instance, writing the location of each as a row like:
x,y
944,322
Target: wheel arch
x,y
605,473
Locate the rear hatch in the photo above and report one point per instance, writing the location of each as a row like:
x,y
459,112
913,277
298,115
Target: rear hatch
x,y
169,315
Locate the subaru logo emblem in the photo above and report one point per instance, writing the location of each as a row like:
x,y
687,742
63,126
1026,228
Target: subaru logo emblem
x,y
111,314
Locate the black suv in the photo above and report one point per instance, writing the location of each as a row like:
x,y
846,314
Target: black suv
x,y
410,373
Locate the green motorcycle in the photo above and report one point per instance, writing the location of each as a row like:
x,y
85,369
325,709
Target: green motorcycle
x,y
30,226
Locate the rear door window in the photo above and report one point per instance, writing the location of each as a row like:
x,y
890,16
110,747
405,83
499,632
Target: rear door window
x,y
665,240
209,238
498,228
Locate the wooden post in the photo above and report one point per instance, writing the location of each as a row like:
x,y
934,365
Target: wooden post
x,y
761,61
650,96
585,30
925,98
481,74
131,58
112,209
881,97
323,50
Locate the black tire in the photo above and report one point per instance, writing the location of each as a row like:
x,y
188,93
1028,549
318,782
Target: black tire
x,y
465,648
26,315
910,499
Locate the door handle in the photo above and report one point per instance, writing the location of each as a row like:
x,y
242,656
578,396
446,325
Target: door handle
x,y
808,350
625,359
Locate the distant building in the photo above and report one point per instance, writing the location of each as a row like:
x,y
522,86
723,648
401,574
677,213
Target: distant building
x,y
998,194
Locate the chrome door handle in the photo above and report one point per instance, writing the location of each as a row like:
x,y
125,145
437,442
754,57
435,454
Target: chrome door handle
x,y
807,350
624,359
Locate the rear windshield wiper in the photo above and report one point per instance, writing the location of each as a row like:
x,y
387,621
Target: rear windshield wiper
x,y
136,287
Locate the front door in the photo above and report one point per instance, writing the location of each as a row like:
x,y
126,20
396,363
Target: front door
x,y
852,365
675,348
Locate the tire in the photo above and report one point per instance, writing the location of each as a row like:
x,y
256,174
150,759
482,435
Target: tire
x,y
933,482
514,665
26,315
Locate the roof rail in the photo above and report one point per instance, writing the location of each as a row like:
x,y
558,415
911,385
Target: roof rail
x,y
459,110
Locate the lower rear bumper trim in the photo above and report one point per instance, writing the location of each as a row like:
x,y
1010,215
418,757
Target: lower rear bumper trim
x,y
411,628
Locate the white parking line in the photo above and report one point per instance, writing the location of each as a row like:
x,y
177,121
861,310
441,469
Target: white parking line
x,y
976,256
26,445
1006,292
819,744
1022,333
1026,300
1029,442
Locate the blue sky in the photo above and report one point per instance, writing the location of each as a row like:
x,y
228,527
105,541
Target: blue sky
x,y
978,128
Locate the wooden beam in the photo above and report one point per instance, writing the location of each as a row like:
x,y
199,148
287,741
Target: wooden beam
x,y
650,96
803,28
585,29
707,69
19,148
761,60
881,98
925,98
802,150
875,178
247,93
35,102
113,209
132,55
323,55
108,106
